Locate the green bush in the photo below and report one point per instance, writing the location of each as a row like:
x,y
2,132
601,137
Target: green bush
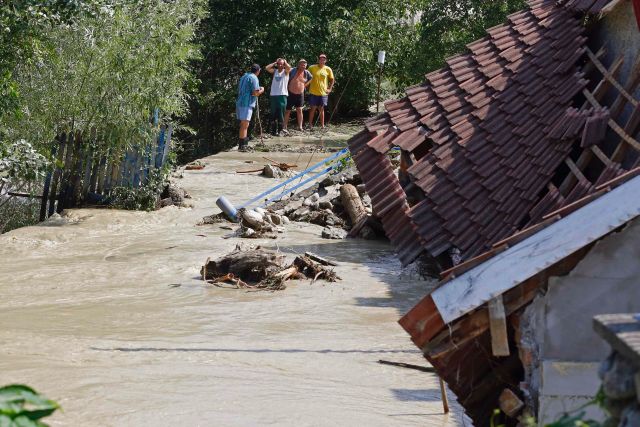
x,y
18,212
144,198
22,406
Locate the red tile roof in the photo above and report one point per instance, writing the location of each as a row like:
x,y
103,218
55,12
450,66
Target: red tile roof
x,y
480,133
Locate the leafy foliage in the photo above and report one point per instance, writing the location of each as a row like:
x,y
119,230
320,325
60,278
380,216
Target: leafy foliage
x,y
106,72
21,167
447,26
20,161
22,406
144,198
22,26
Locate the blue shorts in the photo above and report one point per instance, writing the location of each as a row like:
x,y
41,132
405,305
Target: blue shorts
x,y
244,113
318,101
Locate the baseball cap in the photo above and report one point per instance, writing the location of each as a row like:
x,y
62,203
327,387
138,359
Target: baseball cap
x,y
255,68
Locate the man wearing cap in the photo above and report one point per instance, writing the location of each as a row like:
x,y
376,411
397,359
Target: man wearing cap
x,y
248,91
279,93
320,88
299,79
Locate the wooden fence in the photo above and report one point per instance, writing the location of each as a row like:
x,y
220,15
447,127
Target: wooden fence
x,y
82,175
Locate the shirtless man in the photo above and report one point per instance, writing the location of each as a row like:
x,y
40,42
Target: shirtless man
x,y
299,80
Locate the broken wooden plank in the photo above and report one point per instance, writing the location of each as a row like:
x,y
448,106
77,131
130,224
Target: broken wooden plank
x,y
477,323
630,128
429,369
598,93
251,171
498,327
321,260
612,80
567,209
619,179
612,124
509,403
575,170
521,235
28,195
633,80
445,398
600,155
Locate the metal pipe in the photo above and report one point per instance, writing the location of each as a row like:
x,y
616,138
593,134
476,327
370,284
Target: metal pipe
x,y
311,178
272,189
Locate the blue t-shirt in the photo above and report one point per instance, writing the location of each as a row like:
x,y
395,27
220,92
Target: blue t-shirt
x,y
248,83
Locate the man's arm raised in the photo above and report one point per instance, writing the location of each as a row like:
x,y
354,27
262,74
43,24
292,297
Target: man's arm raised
x,y
270,67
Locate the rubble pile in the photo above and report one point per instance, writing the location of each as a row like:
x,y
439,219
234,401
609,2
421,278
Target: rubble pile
x,y
338,203
324,204
174,195
259,223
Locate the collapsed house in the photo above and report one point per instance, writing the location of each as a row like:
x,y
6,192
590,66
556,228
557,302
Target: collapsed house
x,y
514,328
518,137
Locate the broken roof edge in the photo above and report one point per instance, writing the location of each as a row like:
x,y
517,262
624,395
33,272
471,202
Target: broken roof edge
x,y
597,8
534,254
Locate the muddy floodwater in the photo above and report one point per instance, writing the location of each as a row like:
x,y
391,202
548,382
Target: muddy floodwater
x,y
104,311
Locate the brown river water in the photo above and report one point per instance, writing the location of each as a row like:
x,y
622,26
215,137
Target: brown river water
x,y
103,311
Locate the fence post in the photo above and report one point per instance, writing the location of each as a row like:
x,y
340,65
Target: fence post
x,y
47,184
57,174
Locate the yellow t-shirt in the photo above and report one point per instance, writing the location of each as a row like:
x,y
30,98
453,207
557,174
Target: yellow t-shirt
x,y
321,77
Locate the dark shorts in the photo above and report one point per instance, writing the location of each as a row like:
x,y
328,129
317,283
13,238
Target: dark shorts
x,y
318,101
295,100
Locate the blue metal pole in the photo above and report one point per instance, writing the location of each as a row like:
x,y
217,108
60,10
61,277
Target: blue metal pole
x,y
311,178
272,189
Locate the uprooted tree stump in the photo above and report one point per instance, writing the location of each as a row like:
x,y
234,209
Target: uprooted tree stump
x,y
352,203
249,265
261,269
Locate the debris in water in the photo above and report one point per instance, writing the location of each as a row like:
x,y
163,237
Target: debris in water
x,y
195,165
213,219
261,269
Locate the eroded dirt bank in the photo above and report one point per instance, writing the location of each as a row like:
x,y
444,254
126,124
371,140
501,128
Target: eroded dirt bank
x,y
104,311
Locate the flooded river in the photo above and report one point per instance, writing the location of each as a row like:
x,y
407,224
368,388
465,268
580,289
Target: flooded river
x,y
103,311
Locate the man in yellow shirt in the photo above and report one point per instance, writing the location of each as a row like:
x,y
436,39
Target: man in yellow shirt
x,y
320,88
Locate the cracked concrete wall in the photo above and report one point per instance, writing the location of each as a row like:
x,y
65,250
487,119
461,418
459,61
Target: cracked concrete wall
x,y
558,324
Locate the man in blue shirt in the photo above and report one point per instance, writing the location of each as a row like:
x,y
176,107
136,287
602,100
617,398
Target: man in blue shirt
x,y
248,91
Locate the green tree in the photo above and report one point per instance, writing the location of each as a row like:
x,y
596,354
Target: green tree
x,y
447,26
23,26
106,72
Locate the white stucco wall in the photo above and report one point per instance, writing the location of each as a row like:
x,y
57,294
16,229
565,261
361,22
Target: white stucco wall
x,y
607,280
